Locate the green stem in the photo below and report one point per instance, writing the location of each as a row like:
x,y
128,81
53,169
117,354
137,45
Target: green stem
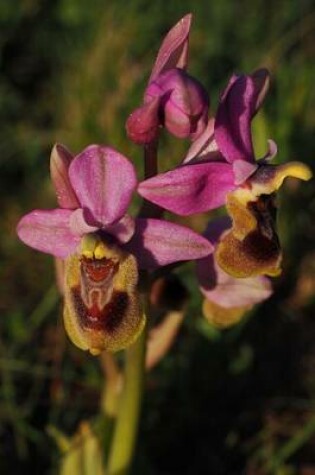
x,y
109,400
124,438
112,386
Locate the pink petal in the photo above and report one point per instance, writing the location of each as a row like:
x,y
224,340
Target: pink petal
x,y
79,224
158,243
243,170
104,181
238,105
190,189
173,52
123,230
60,160
204,147
226,291
48,231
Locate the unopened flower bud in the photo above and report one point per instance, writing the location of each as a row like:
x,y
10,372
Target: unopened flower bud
x,y
143,123
184,103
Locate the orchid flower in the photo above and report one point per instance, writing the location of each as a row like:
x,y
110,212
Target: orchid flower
x,y
173,98
220,168
227,298
103,246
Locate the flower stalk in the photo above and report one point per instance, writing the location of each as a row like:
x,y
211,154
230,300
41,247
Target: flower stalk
x,y
149,209
125,432
113,385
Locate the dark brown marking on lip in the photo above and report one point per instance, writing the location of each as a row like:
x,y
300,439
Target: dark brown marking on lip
x,y
258,247
107,319
262,244
264,211
116,310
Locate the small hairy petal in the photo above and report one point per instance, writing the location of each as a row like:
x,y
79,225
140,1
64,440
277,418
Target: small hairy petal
x,y
190,189
173,52
104,181
142,125
158,243
60,160
102,305
48,231
238,105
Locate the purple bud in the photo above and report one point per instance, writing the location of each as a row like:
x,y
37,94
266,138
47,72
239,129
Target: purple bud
x,y
142,125
184,103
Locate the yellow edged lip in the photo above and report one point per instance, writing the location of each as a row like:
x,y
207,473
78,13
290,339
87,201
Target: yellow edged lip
x,y
102,308
252,247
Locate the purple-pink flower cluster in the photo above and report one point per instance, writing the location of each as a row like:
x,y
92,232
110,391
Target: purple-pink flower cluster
x,y
104,246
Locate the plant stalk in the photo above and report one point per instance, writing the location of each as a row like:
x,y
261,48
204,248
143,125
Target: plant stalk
x,y
148,209
126,428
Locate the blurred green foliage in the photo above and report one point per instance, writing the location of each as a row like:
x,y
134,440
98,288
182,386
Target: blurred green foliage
x,y
237,401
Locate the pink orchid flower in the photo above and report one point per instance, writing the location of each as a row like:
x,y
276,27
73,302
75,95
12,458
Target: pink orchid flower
x,y
103,246
220,168
173,99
